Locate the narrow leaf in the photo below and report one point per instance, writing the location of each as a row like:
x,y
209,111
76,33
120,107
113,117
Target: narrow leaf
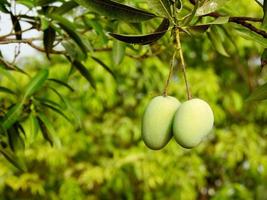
x,y
161,7
264,22
210,6
17,161
217,40
116,10
118,52
264,58
65,7
250,35
144,39
12,116
47,130
48,40
16,142
70,29
36,83
84,72
6,90
104,66
16,26
58,111
259,93
61,83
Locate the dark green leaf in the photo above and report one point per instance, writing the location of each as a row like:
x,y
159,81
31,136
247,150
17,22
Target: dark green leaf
x,y
264,58
116,10
16,26
65,7
62,98
217,40
189,18
48,40
12,115
144,39
161,7
44,2
61,83
47,130
6,90
70,29
3,6
93,23
104,66
16,142
36,83
264,22
17,161
56,110
259,94
84,72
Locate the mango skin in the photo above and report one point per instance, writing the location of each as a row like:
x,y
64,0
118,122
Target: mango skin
x,y
157,121
192,121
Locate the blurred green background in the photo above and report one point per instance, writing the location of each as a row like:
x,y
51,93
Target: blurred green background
x,y
102,156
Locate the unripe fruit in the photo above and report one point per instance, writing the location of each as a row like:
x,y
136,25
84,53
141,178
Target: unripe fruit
x,y
157,121
192,121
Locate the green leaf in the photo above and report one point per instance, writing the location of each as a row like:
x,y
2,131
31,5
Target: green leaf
x,y
48,40
264,58
61,83
144,39
3,8
250,35
56,110
7,90
259,93
28,3
161,7
217,40
16,26
71,29
264,22
47,130
17,161
210,6
9,76
33,126
84,72
118,52
43,2
116,10
12,116
36,83
66,7
189,18
104,66
16,142
93,23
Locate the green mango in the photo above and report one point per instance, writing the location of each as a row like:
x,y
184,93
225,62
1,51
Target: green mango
x,y
157,121
192,121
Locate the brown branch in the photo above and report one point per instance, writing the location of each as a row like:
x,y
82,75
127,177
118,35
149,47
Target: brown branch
x,y
30,43
251,27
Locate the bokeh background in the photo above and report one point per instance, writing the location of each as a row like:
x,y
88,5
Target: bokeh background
x,y
101,155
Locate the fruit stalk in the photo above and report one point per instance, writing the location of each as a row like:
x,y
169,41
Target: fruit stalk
x,y
179,49
165,91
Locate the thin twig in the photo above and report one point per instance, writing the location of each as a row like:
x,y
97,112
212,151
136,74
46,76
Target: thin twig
x,y
165,91
179,49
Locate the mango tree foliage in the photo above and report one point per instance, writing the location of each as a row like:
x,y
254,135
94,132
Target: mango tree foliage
x,y
87,97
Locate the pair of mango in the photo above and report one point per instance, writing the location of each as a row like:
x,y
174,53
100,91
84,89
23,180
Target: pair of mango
x,y
165,117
